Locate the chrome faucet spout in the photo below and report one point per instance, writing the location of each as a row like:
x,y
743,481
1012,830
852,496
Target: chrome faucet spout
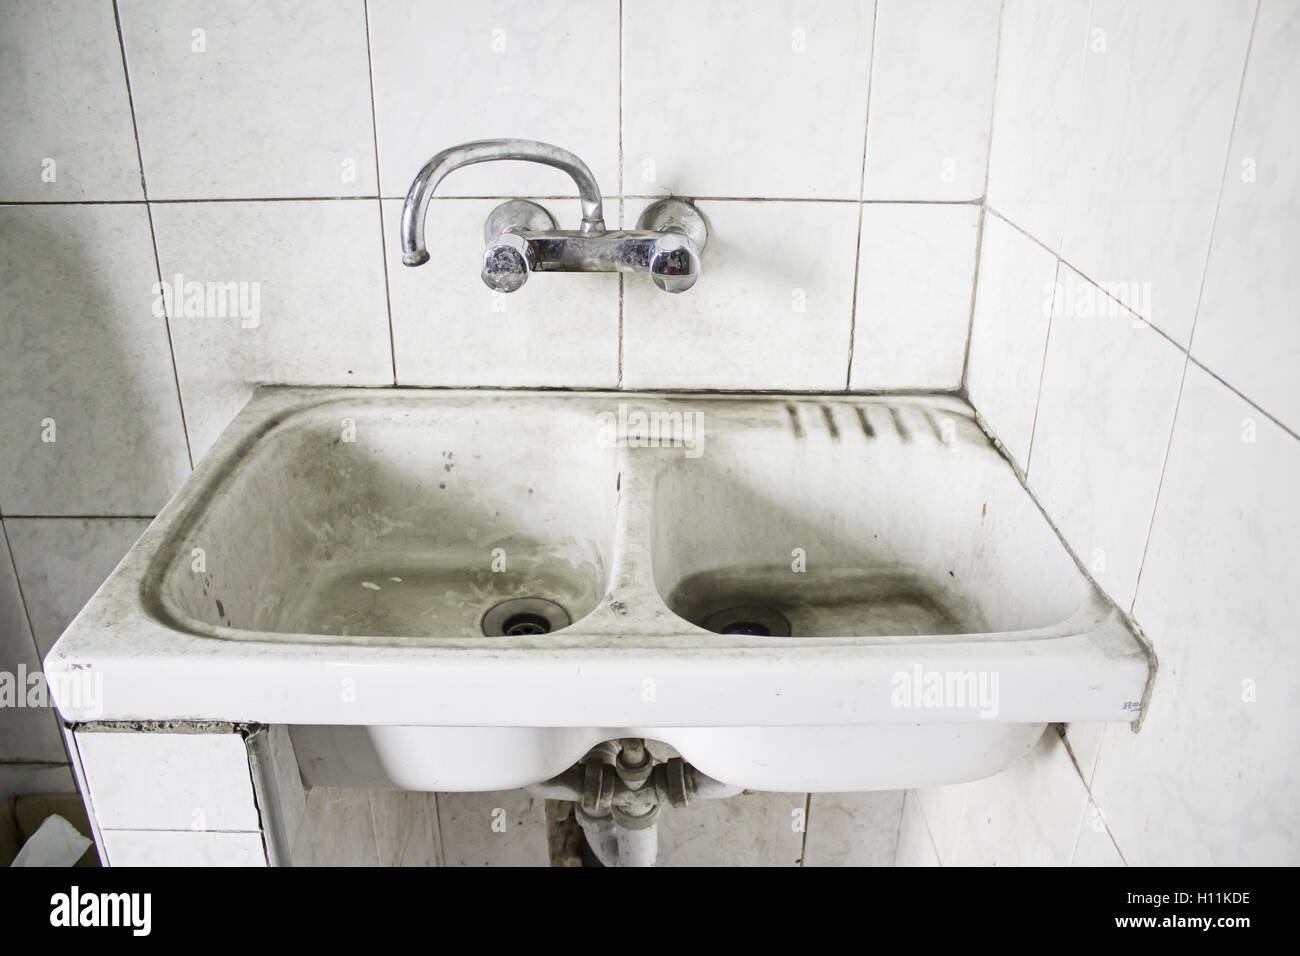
x,y
523,237
416,208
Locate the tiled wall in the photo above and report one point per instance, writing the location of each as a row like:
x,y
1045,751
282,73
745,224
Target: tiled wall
x,y
837,148
1141,147
1146,149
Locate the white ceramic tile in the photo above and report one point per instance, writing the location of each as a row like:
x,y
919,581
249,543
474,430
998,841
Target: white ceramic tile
x,y
1160,83
289,789
1212,776
943,809
1027,815
770,310
1013,301
169,781
1095,847
450,329
29,730
178,848
853,829
931,99
337,829
750,829
915,271
321,318
1246,329
448,73
85,362
493,828
915,847
276,103
23,778
61,562
63,105
1040,73
764,98
1110,386
1085,741
406,827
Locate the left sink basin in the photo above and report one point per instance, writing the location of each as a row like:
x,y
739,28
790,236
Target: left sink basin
x,y
335,523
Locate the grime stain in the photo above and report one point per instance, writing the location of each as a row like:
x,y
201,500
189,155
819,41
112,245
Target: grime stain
x,y
795,424
831,426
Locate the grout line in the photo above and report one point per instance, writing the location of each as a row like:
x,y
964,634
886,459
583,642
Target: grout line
x,y
621,211
438,850
18,583
1192,359
1028,235
974,291
383,241
1062,730
1196,314
993,105
979,226
83,517
153,236
448,198
202,199
898,833
740,393
807,817
934,844
862,191
1042,369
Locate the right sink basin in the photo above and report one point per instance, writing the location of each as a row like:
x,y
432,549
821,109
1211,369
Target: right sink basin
x,y
885,519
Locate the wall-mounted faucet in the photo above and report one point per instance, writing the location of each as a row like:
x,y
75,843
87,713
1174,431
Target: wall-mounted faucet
x,y
523,238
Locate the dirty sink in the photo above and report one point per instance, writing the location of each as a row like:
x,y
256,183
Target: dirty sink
x,y
464,590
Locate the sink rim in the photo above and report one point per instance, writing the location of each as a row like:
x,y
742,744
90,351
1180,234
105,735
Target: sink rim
x,y
1097,633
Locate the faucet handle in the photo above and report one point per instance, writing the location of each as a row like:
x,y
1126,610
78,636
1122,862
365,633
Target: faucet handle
x,y
674,262
675,256
507,263
509,259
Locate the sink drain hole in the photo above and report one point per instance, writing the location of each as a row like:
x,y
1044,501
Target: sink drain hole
x,y
523,617
751,619
526,624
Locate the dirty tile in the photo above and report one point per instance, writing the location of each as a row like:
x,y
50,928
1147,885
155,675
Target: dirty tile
x,y
237,101
853,829
90,422
63,106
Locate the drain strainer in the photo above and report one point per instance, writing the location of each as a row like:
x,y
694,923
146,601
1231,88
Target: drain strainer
x,y
520,617
752,619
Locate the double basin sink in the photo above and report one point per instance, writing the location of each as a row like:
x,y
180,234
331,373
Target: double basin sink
x,y
463,590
